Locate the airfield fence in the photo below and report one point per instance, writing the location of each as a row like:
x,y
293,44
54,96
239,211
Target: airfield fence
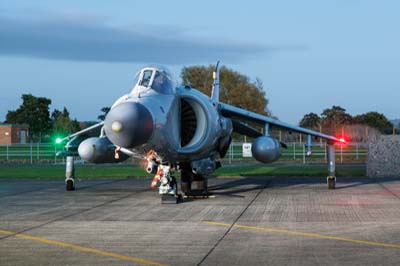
x,y
297,152
34,153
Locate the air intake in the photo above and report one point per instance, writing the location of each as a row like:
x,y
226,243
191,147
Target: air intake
x,y
188,122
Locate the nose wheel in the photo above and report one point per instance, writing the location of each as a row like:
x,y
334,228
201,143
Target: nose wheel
x,y
168,188
171,197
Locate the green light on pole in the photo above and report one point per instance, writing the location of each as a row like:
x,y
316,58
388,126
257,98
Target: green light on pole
x,y
58,140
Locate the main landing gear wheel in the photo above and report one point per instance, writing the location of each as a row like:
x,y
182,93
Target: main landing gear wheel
x,y
69,185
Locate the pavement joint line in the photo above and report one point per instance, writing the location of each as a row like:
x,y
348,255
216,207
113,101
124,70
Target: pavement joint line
x,y
237,219
70,215
57,184
199,197
388,190
82,248
27,191
297,233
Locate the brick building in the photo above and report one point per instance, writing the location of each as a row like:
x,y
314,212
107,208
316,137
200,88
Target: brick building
x,y
14,133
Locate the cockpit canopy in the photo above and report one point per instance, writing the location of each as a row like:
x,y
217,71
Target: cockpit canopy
x,y
154,78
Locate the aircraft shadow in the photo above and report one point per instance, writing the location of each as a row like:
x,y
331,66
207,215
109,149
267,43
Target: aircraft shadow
x,y
251,183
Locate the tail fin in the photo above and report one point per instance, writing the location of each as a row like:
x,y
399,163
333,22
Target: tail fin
x,y
215,87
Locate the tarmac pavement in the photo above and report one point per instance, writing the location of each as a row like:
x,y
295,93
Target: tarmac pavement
x,y
250,221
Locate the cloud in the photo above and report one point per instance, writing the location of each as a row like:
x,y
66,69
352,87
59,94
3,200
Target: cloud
x,y
90,38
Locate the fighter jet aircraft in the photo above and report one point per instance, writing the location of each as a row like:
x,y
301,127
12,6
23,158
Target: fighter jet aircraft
x,y
178,128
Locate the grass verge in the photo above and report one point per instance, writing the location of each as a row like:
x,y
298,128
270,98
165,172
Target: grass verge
x,y
125,171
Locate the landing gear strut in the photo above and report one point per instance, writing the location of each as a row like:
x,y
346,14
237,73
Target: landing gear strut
x,y
193,185
70,174
331,179
168,189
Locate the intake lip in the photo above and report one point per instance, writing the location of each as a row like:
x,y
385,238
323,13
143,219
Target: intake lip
x,y
129,124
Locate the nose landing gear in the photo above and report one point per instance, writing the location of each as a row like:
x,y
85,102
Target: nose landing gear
x,y
168,188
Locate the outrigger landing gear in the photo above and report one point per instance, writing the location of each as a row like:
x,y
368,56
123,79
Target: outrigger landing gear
x,y
331,179
70,174
174,197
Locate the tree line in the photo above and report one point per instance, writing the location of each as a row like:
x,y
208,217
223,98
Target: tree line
x,y
35,112
335,119
235,88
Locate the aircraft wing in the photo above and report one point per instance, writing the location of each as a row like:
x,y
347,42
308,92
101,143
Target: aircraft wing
x,y
88,129
239,115
242,128
73,140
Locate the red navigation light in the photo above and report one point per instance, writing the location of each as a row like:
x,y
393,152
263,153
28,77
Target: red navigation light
x,y
341,139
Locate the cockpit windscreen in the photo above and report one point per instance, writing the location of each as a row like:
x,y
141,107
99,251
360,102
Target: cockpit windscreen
x,y
146,78
162,83
156,79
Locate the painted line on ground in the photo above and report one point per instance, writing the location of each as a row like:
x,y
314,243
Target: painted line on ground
x,y
81,248
297,233
199,197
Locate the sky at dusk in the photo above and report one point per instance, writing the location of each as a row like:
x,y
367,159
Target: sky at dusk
x,y
310,55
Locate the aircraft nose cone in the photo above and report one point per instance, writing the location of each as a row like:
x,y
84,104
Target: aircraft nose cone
x,y
128,124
